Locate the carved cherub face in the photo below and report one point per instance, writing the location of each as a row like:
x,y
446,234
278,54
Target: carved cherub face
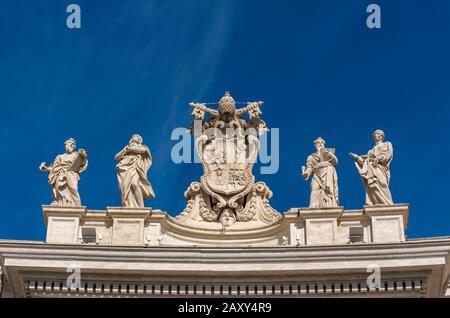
x,y
198,113
227,218
255,113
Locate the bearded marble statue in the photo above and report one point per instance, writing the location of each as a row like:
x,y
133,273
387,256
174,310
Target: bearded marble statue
x,y
322,166
374,168
64,174
134,161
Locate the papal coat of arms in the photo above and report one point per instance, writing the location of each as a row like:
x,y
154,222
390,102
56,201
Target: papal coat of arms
x,y
228,146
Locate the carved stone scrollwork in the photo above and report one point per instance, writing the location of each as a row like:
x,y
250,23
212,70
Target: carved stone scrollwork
x,y
258,207
227,146
198,207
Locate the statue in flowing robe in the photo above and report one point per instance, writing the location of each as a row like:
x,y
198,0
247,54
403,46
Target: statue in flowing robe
x,y
64,174
134,161
322,166
374,170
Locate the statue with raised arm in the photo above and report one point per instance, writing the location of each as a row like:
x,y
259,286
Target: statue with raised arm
x,y
134,161
374,170
64,174
322,166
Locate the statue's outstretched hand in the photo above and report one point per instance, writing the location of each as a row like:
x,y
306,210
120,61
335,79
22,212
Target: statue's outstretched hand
x,y
83,152
305,174
43,167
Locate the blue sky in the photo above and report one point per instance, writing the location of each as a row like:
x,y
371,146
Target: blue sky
x,y
134,66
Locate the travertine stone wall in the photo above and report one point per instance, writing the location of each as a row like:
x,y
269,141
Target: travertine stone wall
x,y
298,227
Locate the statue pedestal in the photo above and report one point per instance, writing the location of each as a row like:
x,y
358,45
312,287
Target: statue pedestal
x,y
153,229
122,226
388,222
62,223
321,225
296,227
128,225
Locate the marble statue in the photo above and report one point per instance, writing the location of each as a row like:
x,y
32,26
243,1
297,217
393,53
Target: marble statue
x,y
134,161
322,166
227,146
374,170
64,174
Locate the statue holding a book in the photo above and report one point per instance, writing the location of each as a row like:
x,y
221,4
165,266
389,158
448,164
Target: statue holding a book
x,y
64,174
321,165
